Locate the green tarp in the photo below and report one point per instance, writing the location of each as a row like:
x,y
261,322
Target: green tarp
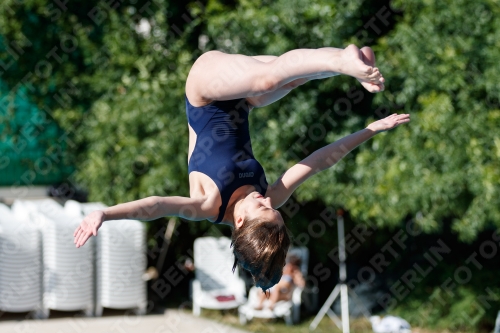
x,y
32,146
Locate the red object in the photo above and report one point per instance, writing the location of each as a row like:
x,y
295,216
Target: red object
x,y
225,298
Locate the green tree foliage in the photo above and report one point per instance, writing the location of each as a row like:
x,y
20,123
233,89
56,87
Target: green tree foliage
x,y
118,93
439,63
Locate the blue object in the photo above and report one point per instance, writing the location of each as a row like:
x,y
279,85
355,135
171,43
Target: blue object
x,y
223,150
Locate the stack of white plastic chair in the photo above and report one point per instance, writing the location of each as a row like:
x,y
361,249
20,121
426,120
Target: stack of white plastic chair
x,y
215,285
121,262
68,274
20,265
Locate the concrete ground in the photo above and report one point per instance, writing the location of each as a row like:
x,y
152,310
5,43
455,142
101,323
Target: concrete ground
x,y
172,321
9,194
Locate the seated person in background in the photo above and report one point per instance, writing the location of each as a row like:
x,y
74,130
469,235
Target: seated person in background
x,y
292,276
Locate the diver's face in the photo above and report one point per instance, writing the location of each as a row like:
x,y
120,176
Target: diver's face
x,y
257,206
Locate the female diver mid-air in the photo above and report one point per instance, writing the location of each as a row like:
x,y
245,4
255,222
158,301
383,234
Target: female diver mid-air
x,y
227,184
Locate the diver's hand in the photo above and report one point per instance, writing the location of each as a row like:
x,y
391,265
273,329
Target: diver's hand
x,y
88,227
388,123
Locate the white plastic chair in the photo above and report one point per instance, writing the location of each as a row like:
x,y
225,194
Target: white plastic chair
x,y
289,310
214,279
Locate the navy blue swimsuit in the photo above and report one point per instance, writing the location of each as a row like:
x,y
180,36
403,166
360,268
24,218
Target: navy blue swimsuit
x,y
223,150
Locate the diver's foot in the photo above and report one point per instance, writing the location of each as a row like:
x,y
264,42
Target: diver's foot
x,y
360,64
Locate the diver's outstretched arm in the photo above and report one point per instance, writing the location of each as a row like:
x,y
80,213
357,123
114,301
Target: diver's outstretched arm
x,y
146,209
326,157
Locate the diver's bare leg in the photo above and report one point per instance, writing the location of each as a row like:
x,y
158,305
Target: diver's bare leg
x,y
368,58
220,76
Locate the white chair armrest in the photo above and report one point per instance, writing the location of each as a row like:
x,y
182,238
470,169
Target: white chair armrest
x,y
196,288
253,296
297,295
197,294
241,288
297,302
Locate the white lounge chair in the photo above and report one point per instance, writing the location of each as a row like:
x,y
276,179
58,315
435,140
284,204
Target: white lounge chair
x,y
289,310
215,285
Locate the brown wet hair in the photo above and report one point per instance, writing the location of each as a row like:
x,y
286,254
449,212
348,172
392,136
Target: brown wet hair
x,y
261,247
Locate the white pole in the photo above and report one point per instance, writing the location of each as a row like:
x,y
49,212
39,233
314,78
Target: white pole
x,y
344,301
344,308
340,288
325,309
497,324
342,256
